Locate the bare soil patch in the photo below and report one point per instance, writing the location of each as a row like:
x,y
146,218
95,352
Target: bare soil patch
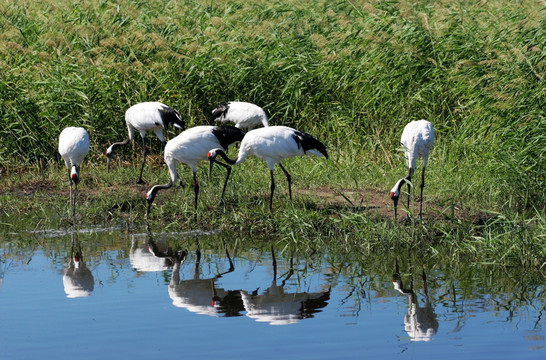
x,y
379,203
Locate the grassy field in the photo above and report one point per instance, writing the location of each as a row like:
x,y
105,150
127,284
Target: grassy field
x,y
352,73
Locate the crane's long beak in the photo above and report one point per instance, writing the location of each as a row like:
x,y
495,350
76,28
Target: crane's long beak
x,y
148,208
395,200
211,164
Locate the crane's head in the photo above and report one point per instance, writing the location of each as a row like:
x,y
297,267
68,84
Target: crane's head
x,y
395,194
212,154
150,196
219,113
75,174
77,259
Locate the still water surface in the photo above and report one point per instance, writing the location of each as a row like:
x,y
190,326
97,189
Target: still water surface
x,y
104,293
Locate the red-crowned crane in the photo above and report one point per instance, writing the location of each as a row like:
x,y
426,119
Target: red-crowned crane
x,y
73,147
146,116
417,140
192,146
243,114
273,144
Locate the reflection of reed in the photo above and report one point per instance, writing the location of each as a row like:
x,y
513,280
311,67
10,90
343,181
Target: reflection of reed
x,y
420,322
277,307
201,296
78,280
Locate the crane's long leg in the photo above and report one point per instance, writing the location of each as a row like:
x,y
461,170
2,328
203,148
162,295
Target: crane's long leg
x,y
231,267
290,272
195,188
408,178
272,190
424,276
144,152
71,199
70,184
75,194
289,179
228,169
274,263
422,186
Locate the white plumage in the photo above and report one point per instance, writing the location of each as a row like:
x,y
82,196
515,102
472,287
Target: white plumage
x,y
417,140
73,147
278,306
147,116
202,295
420,322
143,259
78,281
192,146
243,114
274,144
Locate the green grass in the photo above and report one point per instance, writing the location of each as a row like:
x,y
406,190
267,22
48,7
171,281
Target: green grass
x,y
352,73
309,222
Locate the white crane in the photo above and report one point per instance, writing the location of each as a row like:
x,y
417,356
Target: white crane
x,y
243,114
192,146
146,116
73,147
417,140
273,144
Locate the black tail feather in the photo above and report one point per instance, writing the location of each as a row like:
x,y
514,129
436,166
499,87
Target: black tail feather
x,y
308,142
228,135
220,111
170,116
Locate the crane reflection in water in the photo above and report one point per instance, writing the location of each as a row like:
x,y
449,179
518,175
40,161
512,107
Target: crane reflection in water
x,y
78,280
420,322
150,255
277,306
202,295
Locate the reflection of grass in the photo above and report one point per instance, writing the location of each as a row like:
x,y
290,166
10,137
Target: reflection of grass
x,y
347,267
351,73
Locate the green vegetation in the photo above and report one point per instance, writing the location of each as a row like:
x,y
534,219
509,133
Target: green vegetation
x,y
352,73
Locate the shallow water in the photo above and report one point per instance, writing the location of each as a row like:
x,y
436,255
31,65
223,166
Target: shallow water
x,y
99,293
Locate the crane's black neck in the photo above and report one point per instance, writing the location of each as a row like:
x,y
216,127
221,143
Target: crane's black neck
x,y
226,159
403,181
120,143
156,188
